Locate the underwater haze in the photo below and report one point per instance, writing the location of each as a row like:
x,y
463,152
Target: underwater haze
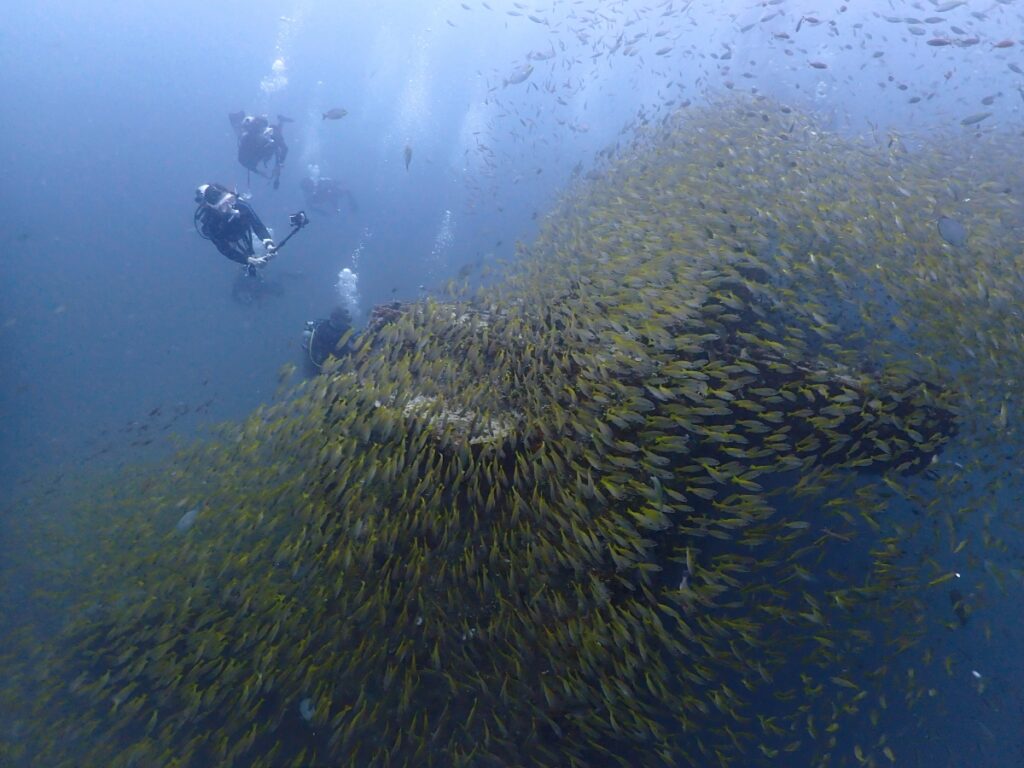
x,y
691,437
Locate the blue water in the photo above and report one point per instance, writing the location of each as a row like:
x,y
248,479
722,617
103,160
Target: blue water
x,y
118,324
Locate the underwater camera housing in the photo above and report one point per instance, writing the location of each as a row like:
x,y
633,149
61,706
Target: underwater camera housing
x,y
298,220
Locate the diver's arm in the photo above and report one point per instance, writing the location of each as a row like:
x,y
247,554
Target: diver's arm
x,y
253,221
233,253
257,228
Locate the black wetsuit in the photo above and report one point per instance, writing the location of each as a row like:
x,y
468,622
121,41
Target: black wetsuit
x,y
260,146
324,195
259,143
323,341
232,234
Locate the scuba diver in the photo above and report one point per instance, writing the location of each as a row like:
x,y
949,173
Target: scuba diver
x,y
325,195
321,338
259,142
230,223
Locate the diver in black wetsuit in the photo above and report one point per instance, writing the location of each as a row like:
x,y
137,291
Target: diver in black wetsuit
x,y
230,223
259,142
321,338
325,195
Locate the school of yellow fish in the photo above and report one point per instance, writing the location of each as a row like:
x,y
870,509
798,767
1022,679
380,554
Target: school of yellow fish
x,y
642,500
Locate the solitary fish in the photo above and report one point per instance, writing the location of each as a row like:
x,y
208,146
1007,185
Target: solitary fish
x,y
974,119
952,231
541,55
187,520
407,154
335,114
519,75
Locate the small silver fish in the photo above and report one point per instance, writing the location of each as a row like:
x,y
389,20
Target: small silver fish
x,y
335,114
541,55
519,75
188,519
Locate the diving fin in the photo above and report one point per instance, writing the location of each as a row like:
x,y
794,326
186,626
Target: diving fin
x,y
236,118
